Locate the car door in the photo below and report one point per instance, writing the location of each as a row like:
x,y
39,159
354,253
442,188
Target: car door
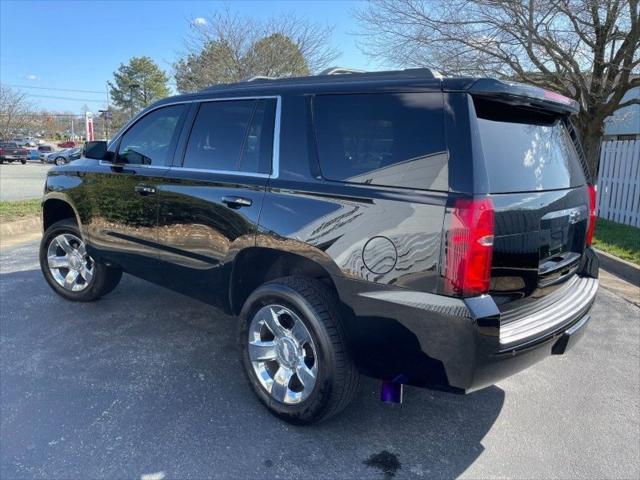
x,y
210,201
124,203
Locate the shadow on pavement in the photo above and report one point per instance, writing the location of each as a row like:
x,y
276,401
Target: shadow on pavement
x,y
146,381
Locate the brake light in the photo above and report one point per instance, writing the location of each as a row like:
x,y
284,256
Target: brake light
x,y
469,247
592,214
556,97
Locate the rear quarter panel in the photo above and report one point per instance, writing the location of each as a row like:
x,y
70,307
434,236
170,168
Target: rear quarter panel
x,y
389,236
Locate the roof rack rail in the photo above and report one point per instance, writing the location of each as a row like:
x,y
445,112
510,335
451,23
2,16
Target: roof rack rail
x,y
259,77
340,71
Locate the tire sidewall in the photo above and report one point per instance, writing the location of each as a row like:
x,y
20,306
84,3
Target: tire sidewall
x,y
317,401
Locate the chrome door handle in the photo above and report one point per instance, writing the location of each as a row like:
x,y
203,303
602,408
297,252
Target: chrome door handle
x,y
236,202
145,189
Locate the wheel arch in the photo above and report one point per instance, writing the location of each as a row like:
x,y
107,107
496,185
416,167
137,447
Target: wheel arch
x,y
56,208
256,265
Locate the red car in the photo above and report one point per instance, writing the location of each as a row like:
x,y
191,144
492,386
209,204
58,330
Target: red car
x,y
68,144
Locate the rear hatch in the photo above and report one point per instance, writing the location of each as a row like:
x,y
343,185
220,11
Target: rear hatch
x,y
536,179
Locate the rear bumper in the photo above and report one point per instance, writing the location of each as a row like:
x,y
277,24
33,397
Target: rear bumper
x,y
459,345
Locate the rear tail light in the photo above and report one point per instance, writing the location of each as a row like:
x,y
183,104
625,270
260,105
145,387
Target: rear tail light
x,y
592,214
469,247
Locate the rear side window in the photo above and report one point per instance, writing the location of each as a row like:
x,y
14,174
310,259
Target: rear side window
x,y
149,140
235,135
524,152
382,139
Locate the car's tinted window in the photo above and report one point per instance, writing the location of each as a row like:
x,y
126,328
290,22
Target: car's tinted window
x,y
233,135
522,157
258,146
149,140
382,139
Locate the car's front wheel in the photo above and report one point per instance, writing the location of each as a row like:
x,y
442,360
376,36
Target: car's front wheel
x,y
60,161
294,352
69,269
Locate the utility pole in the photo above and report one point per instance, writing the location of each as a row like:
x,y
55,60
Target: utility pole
x,y
106,117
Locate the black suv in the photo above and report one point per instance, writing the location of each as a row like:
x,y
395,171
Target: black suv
x,y
422,230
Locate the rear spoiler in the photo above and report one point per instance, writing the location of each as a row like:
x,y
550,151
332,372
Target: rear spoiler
x,y
519,94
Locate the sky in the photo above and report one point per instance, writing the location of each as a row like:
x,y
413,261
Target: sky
x,y
70,49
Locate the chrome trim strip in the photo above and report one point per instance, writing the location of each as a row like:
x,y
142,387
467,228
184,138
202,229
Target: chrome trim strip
x,y
275,157
134,165
275,160
582,293
220,172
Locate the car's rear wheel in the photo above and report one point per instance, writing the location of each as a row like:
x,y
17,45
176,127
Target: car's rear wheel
x,y
60,161
294,351
69,269
23,162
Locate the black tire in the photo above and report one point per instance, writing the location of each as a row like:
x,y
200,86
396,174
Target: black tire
x,y
59,161
23,162
105,278
317,306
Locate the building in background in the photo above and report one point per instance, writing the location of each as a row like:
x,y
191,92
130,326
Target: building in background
x,y
624,124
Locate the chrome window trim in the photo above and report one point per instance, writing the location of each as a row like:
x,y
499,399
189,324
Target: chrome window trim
x,y
221,172
275,156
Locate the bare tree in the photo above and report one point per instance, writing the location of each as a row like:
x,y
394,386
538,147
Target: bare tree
x,y
229,48
585,49
15,112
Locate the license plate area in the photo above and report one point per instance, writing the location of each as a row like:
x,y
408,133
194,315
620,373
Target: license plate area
x,y
562,235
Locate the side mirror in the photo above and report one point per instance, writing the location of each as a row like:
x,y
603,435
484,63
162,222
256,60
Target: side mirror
x,y
97,150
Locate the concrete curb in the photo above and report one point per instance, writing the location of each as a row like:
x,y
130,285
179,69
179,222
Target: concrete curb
x,y
31,224
620,268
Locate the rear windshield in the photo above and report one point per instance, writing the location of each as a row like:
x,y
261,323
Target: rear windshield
x,y
522,157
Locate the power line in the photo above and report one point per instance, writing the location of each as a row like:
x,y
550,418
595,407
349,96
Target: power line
x,y
95,100
102,92
31,115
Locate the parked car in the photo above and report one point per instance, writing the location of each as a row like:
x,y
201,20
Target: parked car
x,y
44,151
421,230
10,152
33,154
64,156
67,144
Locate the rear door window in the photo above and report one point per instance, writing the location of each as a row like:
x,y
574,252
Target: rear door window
x,y
393,139
233,135
523,153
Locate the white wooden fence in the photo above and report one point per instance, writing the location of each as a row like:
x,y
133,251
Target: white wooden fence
x,y
619,182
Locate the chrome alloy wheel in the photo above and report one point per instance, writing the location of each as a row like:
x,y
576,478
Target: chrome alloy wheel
x,y
283,354
70,265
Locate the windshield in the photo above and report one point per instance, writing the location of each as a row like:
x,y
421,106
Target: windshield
x,y
521,157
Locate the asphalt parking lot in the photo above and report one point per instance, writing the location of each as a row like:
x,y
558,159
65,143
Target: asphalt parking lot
x,y
146,384
21,182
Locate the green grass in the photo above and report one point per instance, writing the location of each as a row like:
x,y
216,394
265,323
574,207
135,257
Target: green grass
x,y
620,240
14,210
